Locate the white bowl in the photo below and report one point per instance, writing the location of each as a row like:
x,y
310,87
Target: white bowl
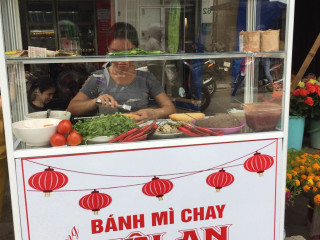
x,y
100,139
62,115
35,132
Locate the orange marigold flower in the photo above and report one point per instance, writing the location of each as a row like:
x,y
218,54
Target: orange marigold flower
x,y
297,183
316,166
318,184
310,177
314,189
297,169
302,167
289,176
294,173
306,188
316,178
303,177
316,199
310,182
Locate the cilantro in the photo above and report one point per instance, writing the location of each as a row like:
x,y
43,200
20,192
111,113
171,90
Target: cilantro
x,y
104,125
135,51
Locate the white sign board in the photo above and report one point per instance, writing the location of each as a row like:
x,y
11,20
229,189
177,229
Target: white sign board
x,y
206,13
124,187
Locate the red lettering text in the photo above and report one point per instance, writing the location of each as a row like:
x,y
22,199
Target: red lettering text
x,y
190,234
216,233
96,226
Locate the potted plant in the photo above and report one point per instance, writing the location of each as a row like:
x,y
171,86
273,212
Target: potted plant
x,y
312,86
300,104
303,177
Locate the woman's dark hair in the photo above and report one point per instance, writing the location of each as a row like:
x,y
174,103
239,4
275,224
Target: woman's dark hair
x,y
123,30
41,84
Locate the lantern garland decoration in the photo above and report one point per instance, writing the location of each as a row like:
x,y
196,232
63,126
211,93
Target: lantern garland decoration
x,y
220,179
95,201
258,163
48,181
157,187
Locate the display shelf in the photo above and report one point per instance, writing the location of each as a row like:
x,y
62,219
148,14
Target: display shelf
x,y
180,56
113,147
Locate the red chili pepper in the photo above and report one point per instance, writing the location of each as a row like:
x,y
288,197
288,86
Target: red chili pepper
x,y
217,133
132,136
196,130
206,130
137,138
123,135
187,131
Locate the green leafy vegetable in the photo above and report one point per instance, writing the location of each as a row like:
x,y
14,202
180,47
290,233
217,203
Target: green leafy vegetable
x,y
105,125
135,51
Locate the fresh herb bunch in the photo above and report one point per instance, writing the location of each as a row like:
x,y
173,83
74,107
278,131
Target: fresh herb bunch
x,y
104,125
135,51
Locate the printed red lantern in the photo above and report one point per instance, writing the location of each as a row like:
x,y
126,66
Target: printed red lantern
x,y
220,179
157,187
48,181
95,201
258,163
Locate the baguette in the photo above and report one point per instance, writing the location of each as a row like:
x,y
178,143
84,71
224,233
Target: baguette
x,y
131,115
186,117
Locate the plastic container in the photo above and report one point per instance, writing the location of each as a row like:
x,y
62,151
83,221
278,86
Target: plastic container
x,y
226,131
62,115
262,116
238,113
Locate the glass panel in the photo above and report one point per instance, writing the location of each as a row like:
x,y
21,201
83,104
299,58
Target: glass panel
x,y
151,37
271,15
191,85
224,81
151,2
76,24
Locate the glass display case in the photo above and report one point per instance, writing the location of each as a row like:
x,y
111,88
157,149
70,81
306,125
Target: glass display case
x,y
218,71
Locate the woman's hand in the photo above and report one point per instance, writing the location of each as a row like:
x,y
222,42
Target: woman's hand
x,y
108,100
145,115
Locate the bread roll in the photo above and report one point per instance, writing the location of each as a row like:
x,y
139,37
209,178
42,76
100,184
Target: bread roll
x,y
186,117
131,115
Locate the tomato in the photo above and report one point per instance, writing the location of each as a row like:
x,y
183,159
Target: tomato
x,y
64,127
58,139
74,138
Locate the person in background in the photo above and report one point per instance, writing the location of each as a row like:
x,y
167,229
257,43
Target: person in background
x,y
40,94
122,83
3,161
154,44
155,35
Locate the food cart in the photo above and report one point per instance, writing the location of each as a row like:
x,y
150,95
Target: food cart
x,y
224,186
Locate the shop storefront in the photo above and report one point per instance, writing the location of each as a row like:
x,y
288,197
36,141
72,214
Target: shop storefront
x,y
220,174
